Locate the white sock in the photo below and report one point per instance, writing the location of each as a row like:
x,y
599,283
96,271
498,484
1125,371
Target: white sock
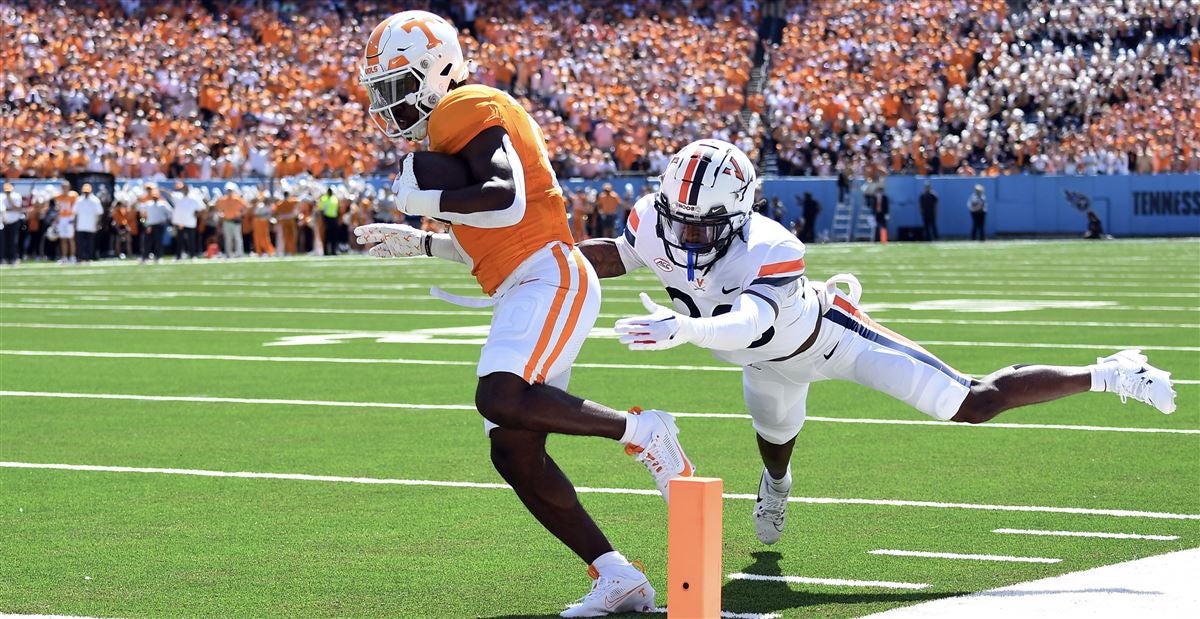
x,y
1104,376
609,561
781,485
631,428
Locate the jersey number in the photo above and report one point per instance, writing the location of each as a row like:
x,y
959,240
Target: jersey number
x,y
724,308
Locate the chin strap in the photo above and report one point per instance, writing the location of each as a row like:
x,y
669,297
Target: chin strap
x,y
691,266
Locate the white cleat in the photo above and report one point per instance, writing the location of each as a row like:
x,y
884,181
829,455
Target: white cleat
x,y
1137,379
625,591
662,454
770,512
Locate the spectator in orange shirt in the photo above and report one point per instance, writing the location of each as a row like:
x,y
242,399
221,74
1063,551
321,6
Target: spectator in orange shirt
x,y
232,208
609,204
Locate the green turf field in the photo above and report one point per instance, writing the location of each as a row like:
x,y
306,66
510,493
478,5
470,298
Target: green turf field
x,y
349,442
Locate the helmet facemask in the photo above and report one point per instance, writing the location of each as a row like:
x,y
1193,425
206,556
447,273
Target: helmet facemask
x,y
696,242
390,93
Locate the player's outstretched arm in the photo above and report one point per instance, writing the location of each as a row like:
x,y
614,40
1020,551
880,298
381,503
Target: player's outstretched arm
x,y
665,328
401,241
604,256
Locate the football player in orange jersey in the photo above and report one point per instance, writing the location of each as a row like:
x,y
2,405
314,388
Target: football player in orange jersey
x,y
511,230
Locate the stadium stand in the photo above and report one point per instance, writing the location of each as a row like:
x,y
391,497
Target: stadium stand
x,y
1080,87
225,89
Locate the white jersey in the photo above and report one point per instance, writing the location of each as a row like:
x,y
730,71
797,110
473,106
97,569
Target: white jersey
x,y
766,261
88,211
184,210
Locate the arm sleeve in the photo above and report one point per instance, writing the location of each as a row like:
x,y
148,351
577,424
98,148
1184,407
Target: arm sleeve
x,y
507,216
441,245
735,330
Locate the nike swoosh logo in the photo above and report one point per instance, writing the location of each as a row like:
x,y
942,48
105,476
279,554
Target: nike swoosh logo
x,y
611,602
724,291
830,353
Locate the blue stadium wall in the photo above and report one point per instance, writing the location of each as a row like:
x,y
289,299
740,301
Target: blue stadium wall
x,y
1024,205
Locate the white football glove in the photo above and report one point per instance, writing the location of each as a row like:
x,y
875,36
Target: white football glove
x,y
393,240
410,198
661,329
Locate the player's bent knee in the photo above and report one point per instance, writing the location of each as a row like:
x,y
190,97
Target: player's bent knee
x,y
517,454
499,396
981,404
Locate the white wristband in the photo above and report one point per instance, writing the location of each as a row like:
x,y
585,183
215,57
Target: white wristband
x,y
424,202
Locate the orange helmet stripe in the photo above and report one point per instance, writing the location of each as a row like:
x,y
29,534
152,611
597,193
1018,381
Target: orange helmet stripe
x,y
373,50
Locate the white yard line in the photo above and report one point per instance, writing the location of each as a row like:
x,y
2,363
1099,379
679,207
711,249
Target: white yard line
x,y
200,328
1090,293
1164,538
246,310
448,312
896,284
35,294
223,400
1159,586
381,334
349,360
1042,323
470,407
368,361
1116,513
833,582
964,557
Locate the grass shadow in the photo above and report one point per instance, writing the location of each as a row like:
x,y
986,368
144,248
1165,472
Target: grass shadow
x,y
765,596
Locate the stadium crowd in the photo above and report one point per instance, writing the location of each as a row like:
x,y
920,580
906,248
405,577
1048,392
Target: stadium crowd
x,y
932,87
208,89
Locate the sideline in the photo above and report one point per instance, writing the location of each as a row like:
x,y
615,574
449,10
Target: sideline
x,y
1162,586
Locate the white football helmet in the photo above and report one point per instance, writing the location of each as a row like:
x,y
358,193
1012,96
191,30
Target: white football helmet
x,y
706,197
411,58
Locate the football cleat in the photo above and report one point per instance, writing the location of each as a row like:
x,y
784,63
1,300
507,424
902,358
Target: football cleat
x,y
770,512
662,454
1137,379
625,590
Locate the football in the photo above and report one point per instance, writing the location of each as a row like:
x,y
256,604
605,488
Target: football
x,y
441,171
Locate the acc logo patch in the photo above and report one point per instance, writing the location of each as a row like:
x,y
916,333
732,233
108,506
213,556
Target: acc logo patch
x,y
664,264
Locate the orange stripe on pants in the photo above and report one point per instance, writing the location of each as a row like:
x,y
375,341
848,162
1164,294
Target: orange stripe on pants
x,y
868,321
572,316
564,276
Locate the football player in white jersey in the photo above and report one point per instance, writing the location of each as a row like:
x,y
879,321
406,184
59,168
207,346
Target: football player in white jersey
x,y
736,280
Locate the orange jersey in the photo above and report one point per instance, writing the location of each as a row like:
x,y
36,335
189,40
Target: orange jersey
x,y
496,252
